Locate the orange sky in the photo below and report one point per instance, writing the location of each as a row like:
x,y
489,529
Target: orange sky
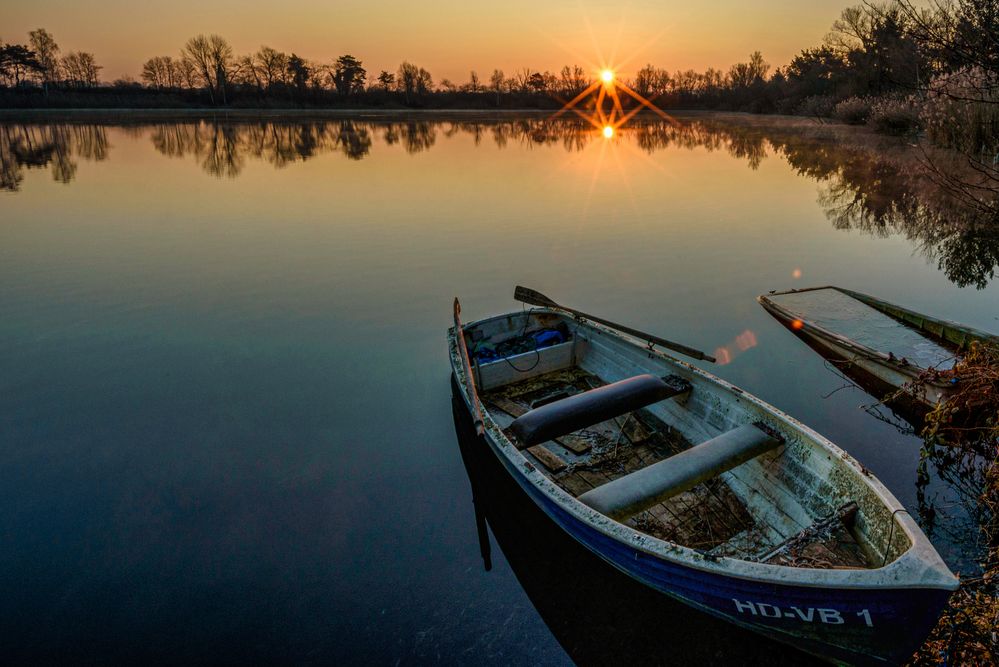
x,y
447,37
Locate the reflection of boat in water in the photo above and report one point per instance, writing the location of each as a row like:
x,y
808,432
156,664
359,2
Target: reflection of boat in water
x,y
881,345
597,614
764,523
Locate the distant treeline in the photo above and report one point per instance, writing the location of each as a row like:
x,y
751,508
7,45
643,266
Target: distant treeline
x,y
872,50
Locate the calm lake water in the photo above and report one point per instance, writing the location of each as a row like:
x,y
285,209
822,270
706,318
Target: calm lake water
x,y
226,427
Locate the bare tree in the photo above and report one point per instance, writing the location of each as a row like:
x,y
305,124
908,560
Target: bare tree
x,y
406,79
523,79
271,66
645,80
245,73
572,80
187,72
496,83
744,75
81,69
713,80
47,53
424,82
852,30
156,71
213,62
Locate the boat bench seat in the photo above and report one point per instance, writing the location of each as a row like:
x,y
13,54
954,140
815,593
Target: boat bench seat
x,y
640,490
594,406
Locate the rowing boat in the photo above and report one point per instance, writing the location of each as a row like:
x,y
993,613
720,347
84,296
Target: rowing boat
x,y
636,624
889,347
698,489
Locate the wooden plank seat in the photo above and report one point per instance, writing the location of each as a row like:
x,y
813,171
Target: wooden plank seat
x,y
594,406
640,490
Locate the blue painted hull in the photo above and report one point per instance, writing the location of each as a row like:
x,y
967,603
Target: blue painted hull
x,y
856,626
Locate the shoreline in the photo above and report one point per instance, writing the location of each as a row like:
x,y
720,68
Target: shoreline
x,y
184,113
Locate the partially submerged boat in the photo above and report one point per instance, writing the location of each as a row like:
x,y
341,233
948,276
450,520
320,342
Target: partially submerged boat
x,y
698,489
891,346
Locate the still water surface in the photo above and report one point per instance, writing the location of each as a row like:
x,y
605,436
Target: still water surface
x,y
226,425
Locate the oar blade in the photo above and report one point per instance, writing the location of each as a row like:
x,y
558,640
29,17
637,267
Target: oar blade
x,y
533,297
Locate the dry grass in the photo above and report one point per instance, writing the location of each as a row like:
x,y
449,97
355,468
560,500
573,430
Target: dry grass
x,y
966,632
971,414
966,427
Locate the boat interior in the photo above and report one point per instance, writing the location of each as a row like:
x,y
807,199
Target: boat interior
x,y
670,453
847,316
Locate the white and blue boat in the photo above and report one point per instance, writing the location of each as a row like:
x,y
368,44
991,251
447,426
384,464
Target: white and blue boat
x,y
697,489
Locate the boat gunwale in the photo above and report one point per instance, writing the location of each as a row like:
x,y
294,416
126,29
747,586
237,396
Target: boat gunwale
x,y
874,302
911,569
910,368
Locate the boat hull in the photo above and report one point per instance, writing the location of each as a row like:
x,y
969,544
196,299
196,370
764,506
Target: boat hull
x,y
926,394
855,626
859,616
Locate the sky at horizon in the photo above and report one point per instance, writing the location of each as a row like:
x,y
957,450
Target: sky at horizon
x,y
448,38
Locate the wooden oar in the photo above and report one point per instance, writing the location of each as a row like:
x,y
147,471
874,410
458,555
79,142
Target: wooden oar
x,y
473,391
535,298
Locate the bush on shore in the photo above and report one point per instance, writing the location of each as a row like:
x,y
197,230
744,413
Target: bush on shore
x,y
896,116
853,110
816,106
961,111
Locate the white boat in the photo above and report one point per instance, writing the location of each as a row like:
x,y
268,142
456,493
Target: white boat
x,y
697,489
891,347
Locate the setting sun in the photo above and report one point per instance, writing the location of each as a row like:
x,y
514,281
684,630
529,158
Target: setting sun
x,y
608,131
607,75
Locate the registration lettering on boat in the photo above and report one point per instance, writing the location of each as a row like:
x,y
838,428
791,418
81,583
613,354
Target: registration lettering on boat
x,y
808,614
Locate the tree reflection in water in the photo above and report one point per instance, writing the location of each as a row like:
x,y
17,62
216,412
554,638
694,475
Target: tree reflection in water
x,y
25,146
866,182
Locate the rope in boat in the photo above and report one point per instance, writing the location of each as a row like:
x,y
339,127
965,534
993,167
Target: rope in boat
x,y
523,333
891,533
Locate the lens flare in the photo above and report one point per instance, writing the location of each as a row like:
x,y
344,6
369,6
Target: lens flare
x,y
797,324
608,131
743,342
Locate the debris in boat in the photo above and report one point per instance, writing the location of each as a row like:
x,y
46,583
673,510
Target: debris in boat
x,y
532,341
705,517
577,444
552,397
512,408
633,430
826,544
548,458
